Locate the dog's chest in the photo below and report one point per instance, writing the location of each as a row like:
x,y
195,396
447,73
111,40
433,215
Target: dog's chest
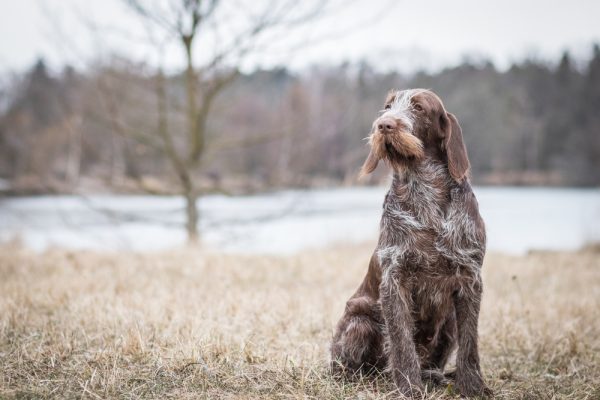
x,y
426,226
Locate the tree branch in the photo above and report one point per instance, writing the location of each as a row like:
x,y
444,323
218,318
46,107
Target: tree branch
x,y
209,95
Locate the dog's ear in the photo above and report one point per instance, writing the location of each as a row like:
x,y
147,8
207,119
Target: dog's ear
x,y
454,146
369,165
374,156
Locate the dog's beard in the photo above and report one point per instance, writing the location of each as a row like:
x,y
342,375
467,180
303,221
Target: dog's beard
x,y
395,149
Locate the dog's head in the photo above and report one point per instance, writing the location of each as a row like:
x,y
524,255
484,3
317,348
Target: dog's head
x,y
413,125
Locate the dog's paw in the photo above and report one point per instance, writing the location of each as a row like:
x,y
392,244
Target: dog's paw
x,y
411,392
434,377
451,375
473,388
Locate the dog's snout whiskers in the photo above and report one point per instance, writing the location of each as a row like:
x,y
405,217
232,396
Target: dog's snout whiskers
x,y
386,125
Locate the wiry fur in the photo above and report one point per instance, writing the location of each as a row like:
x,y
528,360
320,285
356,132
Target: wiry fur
x,y
405,145
401,107
420,298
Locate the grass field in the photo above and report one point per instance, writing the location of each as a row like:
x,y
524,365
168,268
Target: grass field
x,y
192,324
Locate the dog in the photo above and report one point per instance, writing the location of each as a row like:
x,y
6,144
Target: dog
x,y
420,298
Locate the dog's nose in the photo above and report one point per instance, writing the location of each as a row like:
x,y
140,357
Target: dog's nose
x,y
386,125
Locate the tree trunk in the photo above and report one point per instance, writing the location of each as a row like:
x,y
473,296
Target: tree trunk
x,y
192,109
192,216
74,149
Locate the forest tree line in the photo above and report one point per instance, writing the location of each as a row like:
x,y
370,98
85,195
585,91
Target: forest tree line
x,y
536,122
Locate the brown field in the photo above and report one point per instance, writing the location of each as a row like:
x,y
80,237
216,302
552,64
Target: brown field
x,y
193,324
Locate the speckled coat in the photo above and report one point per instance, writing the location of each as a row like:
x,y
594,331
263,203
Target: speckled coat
x,y
421,296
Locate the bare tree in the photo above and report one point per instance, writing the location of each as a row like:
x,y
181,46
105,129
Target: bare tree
x,y
193,24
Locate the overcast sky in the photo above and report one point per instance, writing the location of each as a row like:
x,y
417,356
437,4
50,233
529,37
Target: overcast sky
x,y
401,35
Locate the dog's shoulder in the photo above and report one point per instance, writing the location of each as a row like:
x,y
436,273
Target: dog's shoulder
x,y
464,209
462,238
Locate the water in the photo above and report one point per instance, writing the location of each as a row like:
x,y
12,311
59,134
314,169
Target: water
x,y
517,219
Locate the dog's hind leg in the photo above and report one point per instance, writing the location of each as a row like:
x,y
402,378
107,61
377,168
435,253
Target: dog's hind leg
x,y
357,346
433,366
446,344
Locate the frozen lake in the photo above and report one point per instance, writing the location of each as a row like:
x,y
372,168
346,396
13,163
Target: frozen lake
x,y
518,219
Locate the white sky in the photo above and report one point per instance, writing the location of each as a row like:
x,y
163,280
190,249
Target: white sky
x,y
401,35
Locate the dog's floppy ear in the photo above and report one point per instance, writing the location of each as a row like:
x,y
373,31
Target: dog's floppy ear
x,y
454,146
370,164
374,156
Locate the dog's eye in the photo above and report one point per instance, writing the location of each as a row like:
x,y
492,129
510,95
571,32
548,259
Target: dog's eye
x,y
418,107
387,107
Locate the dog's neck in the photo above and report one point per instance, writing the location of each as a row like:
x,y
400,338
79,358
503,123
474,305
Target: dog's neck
x,y
423,187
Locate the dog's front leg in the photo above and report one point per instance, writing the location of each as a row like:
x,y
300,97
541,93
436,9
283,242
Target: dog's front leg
x,y
469,380
403,358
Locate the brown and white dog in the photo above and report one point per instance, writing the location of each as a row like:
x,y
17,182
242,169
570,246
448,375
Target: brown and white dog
x,y
421,296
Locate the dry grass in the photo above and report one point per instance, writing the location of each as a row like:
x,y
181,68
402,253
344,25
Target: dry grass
x,y
187,324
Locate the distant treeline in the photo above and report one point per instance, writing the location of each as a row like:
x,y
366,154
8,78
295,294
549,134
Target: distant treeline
x,y
535,123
